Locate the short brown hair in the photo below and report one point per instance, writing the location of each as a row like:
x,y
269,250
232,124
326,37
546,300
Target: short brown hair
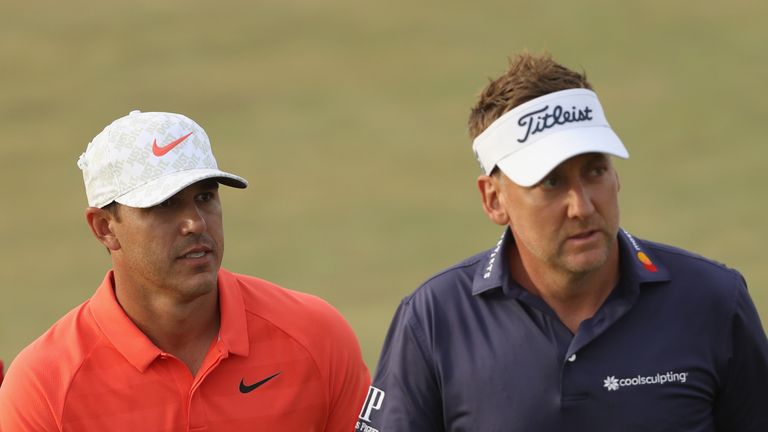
x,y
529,76
113,208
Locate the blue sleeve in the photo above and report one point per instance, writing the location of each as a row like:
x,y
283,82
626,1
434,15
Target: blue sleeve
x,y
405,394
741,403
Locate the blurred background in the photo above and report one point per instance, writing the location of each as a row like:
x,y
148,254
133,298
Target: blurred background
x,y
348,118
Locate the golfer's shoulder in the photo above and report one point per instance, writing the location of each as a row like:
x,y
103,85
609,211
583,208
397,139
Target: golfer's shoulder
x,y
451,284
49,364
696,278
686,263
292,310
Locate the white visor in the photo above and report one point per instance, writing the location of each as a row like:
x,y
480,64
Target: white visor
x,y
532,139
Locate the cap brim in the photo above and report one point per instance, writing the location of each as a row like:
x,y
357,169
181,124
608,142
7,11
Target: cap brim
x,y
529,165
160,189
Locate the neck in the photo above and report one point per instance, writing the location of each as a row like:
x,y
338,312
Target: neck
x,y
574,297
184,329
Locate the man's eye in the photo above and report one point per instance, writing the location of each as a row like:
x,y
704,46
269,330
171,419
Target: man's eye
x,y
549,183
206,196
166,203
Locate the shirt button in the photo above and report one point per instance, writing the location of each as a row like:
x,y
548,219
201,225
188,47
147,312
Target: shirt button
x,y
572,358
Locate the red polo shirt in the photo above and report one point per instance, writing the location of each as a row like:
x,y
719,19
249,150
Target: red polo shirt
x,y
283,361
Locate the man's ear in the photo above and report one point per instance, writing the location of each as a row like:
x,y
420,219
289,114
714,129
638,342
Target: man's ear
x,y
100,222
490,189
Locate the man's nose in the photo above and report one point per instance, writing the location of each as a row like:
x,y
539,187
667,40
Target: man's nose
x,y
192,220
580,205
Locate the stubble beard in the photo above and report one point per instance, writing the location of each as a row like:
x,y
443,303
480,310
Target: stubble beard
x,y
578,264
186,286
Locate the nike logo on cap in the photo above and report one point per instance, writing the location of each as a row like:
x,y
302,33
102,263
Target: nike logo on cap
x,y
249,388
161,151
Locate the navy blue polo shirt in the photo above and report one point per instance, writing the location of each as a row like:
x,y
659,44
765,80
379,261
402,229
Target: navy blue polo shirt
x,y
677,346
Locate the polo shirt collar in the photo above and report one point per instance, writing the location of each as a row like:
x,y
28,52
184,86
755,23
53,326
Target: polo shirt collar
x,y
234,325
113,322
139,350
495,266
642,266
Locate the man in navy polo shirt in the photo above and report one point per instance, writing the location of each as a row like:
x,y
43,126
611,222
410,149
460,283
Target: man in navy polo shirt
x,y
569,323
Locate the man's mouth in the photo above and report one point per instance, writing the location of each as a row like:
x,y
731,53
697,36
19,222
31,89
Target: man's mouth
x,y
198,251
583,235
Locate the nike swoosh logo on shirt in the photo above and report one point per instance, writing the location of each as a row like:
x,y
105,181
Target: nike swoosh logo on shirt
x,y
249,388
160,151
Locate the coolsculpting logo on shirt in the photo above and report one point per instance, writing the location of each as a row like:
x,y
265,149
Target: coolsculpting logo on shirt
x,y
372,402
611,383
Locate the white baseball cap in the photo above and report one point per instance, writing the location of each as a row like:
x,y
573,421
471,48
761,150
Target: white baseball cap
x,y
143,159
533,138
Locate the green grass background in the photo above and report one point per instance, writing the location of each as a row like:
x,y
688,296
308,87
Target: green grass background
x,y
348,118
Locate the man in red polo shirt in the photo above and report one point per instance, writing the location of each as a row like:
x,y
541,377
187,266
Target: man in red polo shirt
x,y
170,341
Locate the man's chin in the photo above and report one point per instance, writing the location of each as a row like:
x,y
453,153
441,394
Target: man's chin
x,y
198,285
587,262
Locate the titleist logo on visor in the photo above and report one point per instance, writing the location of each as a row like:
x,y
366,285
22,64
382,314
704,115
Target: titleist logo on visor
x,y
534,123
529,140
